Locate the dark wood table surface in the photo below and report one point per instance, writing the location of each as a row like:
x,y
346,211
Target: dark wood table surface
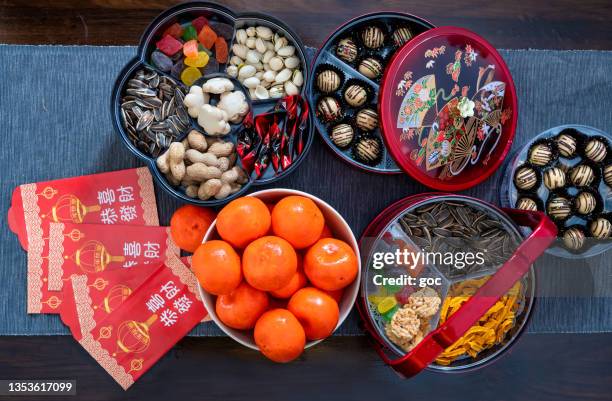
x,y
539,367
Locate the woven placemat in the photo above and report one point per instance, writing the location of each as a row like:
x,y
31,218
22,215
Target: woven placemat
x,y
55,122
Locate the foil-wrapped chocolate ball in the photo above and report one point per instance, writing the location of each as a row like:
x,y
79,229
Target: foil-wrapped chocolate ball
x,y
558,208
582,175
370,67
401,36
525,178
573,238
554,178
347,50
567,145
585,203
373,37
342,135
367,119
329,109
601,228
607,171
328,81
526,204
595,150
367,150
540,155
355,95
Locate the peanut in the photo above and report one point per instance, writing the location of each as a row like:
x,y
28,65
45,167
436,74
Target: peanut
x,y
202,172
197,140
195,156
209,188
230,176
162,162
224,192
172,180
192,191
224,164
235,188
221,148
176,153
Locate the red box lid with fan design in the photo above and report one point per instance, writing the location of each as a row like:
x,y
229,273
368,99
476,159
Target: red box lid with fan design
x,y
448,108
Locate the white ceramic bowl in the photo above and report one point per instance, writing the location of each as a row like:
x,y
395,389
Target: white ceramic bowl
x,y
341,231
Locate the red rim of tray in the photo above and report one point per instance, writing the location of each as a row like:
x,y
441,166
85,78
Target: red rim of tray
x,y
477,173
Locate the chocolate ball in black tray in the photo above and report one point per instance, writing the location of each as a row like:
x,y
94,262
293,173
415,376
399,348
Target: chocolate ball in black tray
x,y
607,172
558,208
401,35
372,37
525,178
554,178
342,135
346,50
328,81
371,67
582,175
526,203
567,145
585,203
368,150
540,154
601,228
595,150
355,95
329,109
573,238
366,119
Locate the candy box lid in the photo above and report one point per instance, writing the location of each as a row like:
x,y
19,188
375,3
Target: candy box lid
x,y
448,108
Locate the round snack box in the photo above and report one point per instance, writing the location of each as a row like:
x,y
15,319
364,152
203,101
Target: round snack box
x,y
444,104
161,99
566,172
406,300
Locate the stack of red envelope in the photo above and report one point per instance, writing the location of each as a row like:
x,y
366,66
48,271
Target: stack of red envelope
x,y
97,257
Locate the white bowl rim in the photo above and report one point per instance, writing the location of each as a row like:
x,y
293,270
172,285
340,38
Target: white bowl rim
x,y
353,287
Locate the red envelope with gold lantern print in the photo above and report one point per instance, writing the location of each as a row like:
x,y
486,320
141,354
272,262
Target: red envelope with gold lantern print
x,y
96,248
132,338
124,197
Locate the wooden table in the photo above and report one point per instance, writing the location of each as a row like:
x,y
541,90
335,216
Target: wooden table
x,y
543,367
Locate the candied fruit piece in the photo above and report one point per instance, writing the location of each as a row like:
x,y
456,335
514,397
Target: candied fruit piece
x,y
207,37
169,45
175,30
161,61
221,50
199,61
190,75
199,23
189,33
190,49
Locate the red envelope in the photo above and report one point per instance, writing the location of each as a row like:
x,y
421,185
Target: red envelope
x,y
132,338
96,248
124,197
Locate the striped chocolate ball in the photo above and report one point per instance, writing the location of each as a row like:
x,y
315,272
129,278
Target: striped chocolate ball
x,y
373,37
595,150
401,36
367,119
608,174
540,155
554,178
601,228
370,67
585,202
567,145
347,50
367,150
525,178
573,238
328,81
355,95
558,208
342,135
582,175
329,109
526,204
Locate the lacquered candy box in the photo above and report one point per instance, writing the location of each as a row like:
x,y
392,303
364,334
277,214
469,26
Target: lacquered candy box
x,y
215,39
393,93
